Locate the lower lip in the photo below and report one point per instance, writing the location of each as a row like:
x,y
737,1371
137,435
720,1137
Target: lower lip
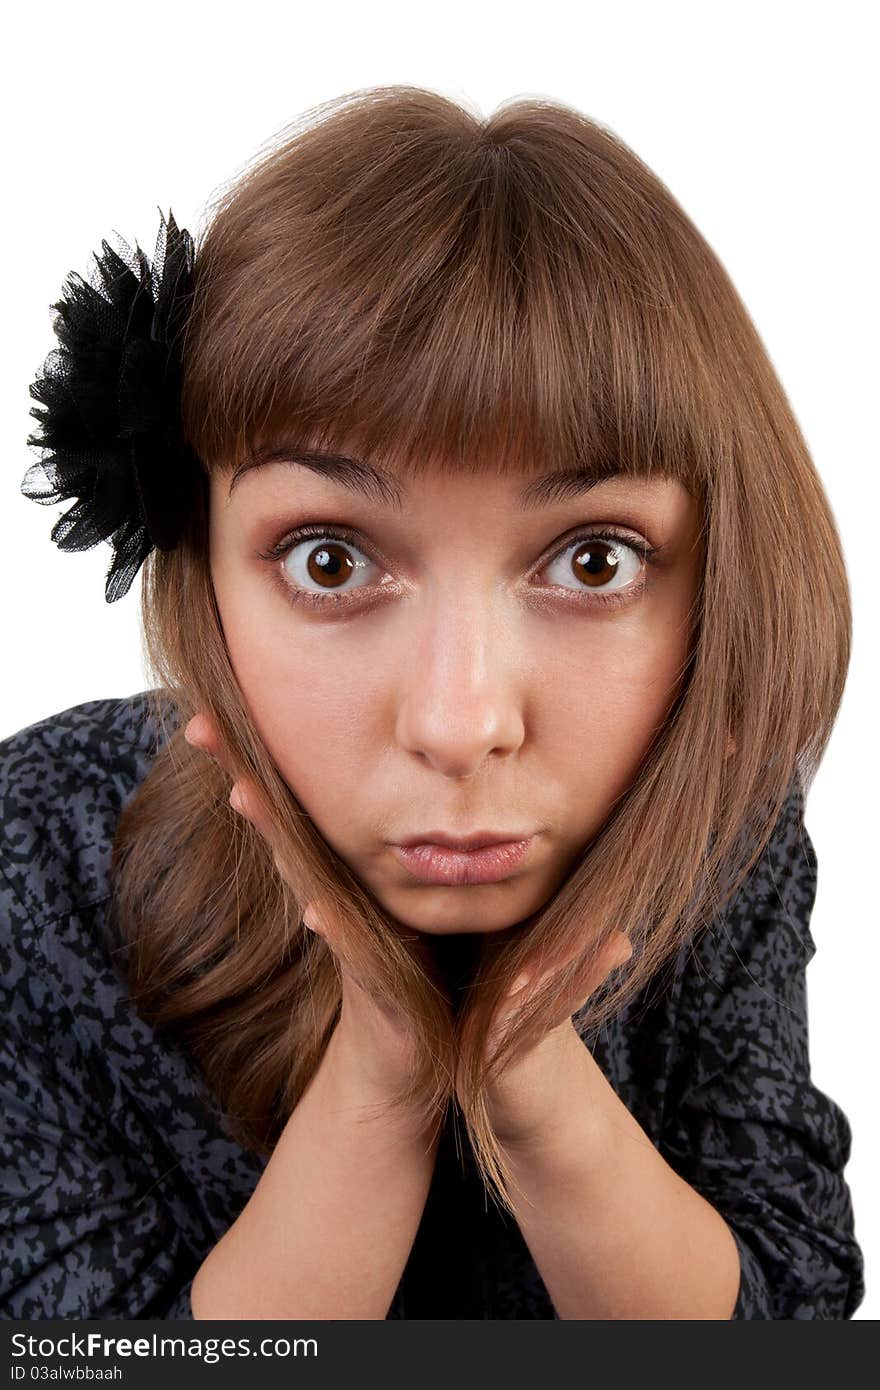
x,y
437,864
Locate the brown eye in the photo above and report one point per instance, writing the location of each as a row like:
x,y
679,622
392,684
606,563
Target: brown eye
x,y
596,563
323,562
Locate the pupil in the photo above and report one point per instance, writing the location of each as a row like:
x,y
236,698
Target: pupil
x,y
594,561
330,563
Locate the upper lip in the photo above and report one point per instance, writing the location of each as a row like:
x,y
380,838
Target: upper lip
x,y
478,839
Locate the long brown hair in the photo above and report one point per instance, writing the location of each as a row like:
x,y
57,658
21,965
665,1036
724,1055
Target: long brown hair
x,y
463,292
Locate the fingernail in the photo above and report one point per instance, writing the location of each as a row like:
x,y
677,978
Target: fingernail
x,y
235,800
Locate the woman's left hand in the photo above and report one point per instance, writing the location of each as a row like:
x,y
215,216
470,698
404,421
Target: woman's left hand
x,y
533,1089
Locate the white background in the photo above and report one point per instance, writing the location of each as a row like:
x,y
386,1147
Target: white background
x,y
762,120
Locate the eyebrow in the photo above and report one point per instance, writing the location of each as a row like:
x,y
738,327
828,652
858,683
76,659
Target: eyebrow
x,y
379,486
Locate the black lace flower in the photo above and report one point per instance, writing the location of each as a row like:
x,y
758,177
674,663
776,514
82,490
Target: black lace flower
x,y
110,427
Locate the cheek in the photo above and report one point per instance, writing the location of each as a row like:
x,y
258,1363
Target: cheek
x,y
310,711
605,701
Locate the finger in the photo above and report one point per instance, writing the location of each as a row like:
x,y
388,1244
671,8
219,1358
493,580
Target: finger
x,y
202,733
310,918
616,951
244,800
317,919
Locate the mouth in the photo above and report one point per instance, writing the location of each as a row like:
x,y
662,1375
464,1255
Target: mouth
x,y
430,862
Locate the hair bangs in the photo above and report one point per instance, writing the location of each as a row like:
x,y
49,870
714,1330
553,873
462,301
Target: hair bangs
x,y
434,308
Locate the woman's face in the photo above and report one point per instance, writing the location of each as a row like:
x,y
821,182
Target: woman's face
x,y
460,659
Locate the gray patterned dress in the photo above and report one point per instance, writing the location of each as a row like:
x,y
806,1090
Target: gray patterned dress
x,y
117,1177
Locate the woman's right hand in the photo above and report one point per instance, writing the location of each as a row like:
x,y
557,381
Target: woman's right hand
x,y
372,1037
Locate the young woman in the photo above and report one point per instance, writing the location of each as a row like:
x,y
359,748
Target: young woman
x,y
498,623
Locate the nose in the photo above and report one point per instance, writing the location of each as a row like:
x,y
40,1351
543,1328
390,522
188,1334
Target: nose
x,y
462,688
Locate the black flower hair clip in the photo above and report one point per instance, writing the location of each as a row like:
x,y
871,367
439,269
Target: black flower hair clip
x,y
110,426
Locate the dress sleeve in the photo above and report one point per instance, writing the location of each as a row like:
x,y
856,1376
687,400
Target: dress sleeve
x,y
744,1124
85,1232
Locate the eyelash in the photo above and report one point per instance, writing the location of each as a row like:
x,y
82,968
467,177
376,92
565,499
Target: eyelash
x,y
617,598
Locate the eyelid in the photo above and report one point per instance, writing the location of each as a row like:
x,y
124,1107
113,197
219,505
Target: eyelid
x,y
599,530
295,534
312,531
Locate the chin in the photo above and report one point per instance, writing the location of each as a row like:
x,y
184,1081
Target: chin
x,y
473,917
